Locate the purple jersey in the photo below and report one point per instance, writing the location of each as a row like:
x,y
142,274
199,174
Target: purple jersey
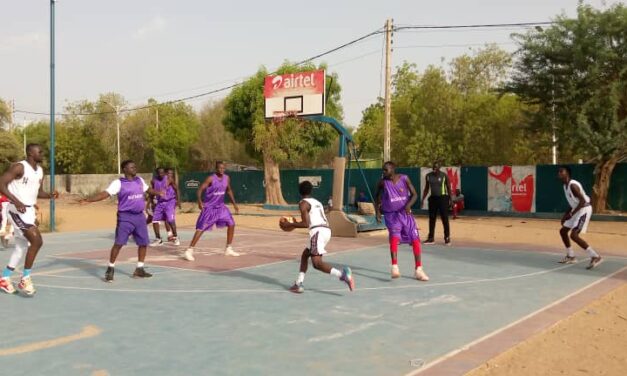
x,y
395,196
214,194
160,186
131,195
170,194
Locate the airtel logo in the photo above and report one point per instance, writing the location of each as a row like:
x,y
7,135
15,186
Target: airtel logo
x,y
291,81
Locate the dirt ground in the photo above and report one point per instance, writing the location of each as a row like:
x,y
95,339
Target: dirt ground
x,y
590,342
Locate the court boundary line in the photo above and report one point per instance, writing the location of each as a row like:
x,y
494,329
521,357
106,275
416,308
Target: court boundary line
x,y
467,346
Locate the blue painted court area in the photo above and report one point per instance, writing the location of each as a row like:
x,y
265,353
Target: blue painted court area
x,y
183,322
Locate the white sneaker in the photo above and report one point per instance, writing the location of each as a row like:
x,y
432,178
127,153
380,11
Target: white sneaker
x,y
421,275
176,241
230,252
26,286
189,254
395,272
156,243
7,286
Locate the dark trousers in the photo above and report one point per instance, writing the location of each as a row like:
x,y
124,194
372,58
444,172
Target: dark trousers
x,y
438,204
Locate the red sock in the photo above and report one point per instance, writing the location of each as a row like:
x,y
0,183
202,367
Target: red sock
x,y
394,249
416,247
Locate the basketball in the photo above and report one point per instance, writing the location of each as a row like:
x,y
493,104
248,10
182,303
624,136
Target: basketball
x,y
289,220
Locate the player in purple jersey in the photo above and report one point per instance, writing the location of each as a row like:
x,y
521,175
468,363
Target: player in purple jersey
x,y
131,191
165,208
395,197
213,210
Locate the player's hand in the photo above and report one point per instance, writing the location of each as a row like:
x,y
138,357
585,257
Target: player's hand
x,y
407,209
200,205
20,207
285,225
236,209
54,195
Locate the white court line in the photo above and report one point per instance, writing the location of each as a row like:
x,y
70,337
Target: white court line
x,y
412,286
468,345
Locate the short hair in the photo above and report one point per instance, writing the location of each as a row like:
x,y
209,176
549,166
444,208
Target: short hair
x,y
169,169
567,169
126,163
30,147
159,168
305,188
219,163
390,163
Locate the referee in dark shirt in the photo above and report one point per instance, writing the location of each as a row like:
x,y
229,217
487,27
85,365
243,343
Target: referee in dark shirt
x,y
439,201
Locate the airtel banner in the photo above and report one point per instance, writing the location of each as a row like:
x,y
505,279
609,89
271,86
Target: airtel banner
x,y
300,83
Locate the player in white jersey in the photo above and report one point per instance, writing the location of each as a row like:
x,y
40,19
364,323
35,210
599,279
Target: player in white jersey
x,y
313,218
21,184
576,219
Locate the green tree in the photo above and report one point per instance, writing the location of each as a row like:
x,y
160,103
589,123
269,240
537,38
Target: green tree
x,y
5,114
10,149
576,70
272,142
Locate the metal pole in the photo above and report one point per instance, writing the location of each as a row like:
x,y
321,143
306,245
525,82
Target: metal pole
x,y
117,124
52,135
553,136
388,89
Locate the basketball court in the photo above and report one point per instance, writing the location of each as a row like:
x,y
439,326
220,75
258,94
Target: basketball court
x,y
224,316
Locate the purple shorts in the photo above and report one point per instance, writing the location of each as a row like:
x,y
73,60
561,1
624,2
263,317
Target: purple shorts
x,y
131,224
164,211
219,216
402,225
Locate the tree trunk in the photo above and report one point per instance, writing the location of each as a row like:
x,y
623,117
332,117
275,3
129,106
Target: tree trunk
x,y
272,178
601,186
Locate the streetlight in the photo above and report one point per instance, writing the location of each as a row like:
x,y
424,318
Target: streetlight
x,y
117,126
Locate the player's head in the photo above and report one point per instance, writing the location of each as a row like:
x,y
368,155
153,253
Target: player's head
x,y
305,188
129,168
34,151
389,169
220,167
160,172
169,172
436,166
564,173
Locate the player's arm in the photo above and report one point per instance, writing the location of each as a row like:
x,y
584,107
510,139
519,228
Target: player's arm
x,y
582,200
15,172
95,198
229,192
46,195
377,200
176,192
413,198
304,207
206,184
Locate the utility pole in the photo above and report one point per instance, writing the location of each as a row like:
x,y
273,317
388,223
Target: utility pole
x,y
117,125
157,114
553,137
388,88
52,112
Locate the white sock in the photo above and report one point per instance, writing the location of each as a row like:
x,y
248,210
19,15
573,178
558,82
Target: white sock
x,y
592,252
570,252
140,264
335,273
112,264
301,277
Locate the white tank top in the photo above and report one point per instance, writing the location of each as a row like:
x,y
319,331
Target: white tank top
x,y
26,188
316,213
573,201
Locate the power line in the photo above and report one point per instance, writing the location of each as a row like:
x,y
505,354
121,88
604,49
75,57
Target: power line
x,y
335,49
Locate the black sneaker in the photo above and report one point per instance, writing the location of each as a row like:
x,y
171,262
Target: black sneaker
x,y
109,274
447,241
594,261
141,273
429,241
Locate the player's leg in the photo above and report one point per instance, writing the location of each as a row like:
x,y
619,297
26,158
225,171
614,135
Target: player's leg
x,y
123,230
319,239
595,258
29,238
298,287
189,252
433,210
204,222
21,245
140,233
393,224
409,234
158,215
170,223
226,219
570,254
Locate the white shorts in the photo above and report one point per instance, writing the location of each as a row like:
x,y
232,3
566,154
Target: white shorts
x,y
580,220
319,237
22,221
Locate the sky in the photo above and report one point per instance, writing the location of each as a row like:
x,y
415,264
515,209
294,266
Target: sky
x,y
172,49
